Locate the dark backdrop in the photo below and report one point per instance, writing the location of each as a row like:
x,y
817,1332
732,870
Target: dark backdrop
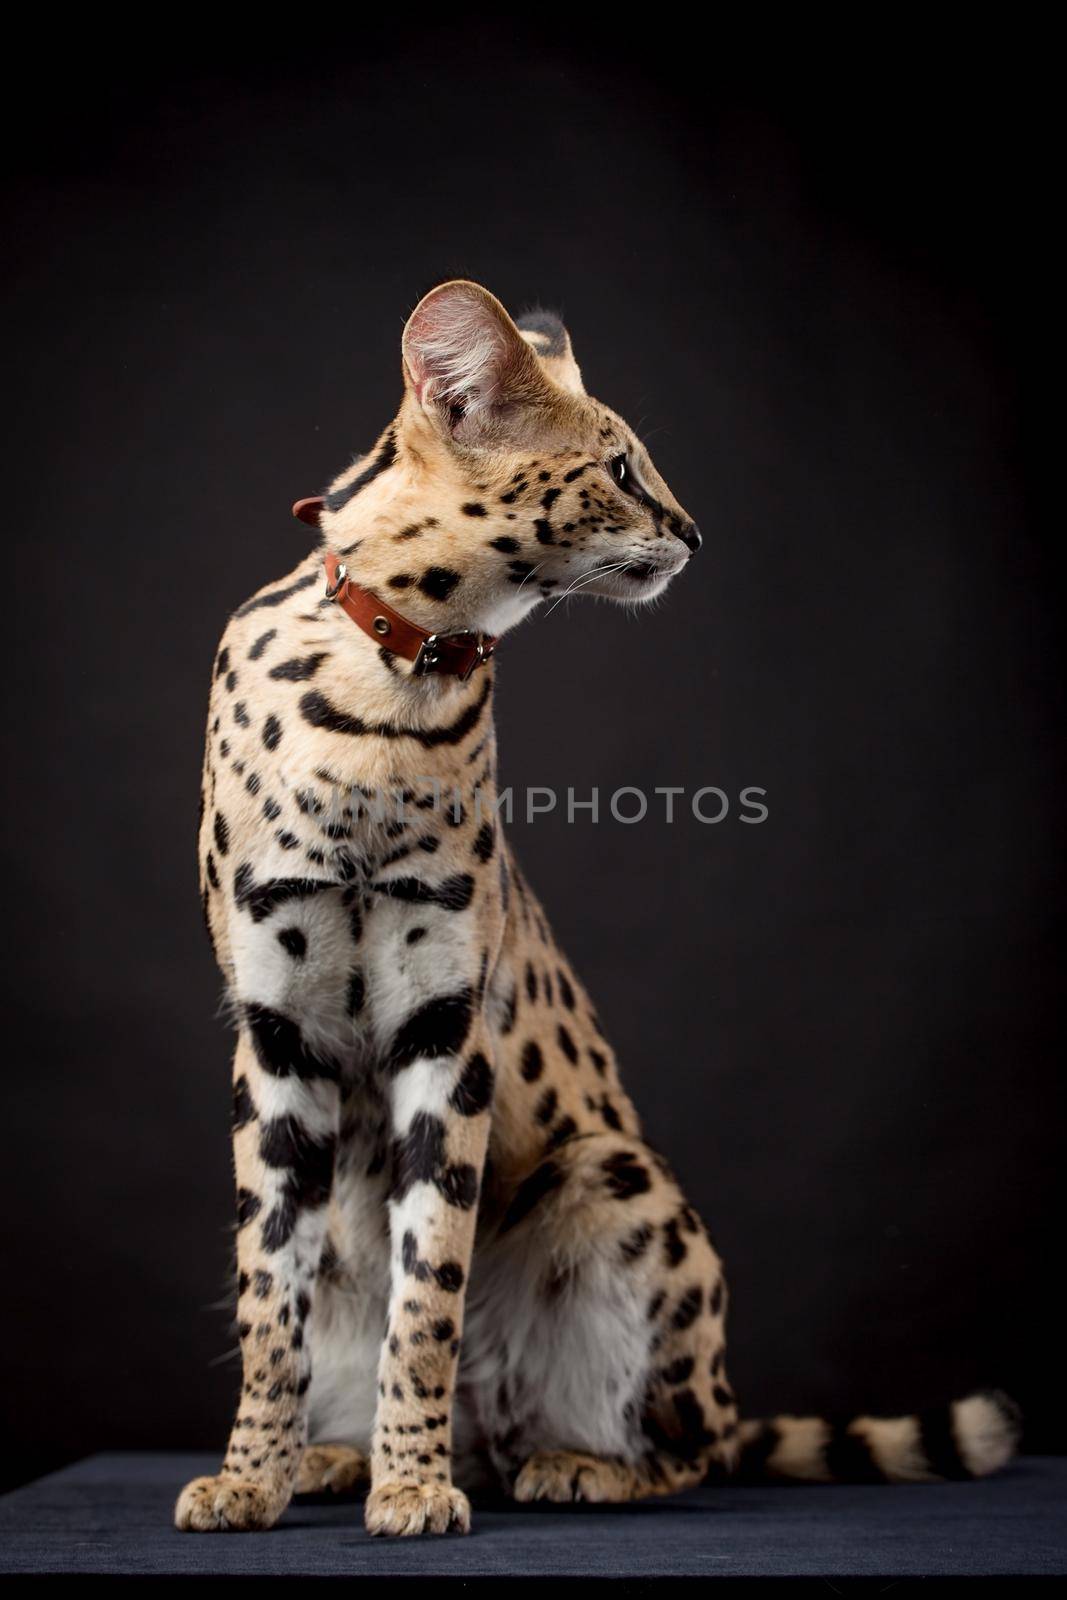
x,y
814,289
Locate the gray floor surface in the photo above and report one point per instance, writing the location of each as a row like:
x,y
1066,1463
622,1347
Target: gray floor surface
x,y
112,1514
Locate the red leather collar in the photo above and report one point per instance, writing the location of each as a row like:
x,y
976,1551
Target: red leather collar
x,y
453,654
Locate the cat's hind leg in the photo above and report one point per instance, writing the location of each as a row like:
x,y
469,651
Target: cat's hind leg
x,y
594,1356
331,1466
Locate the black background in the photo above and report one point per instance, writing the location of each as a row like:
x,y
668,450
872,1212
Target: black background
x,y
808,270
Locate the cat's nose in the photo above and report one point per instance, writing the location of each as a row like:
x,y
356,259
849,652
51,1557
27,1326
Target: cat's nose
x,y
689,534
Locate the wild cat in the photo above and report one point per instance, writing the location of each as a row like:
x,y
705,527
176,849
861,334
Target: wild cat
x,y
456,1252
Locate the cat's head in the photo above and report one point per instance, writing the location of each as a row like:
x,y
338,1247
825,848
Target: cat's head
x,y
501,483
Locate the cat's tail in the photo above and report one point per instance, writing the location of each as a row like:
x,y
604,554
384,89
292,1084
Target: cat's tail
x,y
967,1439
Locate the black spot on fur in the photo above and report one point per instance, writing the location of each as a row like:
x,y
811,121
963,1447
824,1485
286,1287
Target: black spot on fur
x,y
567,1045
454,894
688,1308
286,1144
686,1436
272,732
316,709
222,834
459,1185
678,1371
626,1177
473,508
279,1223
262,898
379,464
675,1246
244,1108
543,1181
439,582
533,1062
419,1155
474,1090
356,992
294,941
300,668
610,1116
505,545
635,1244
276,597
281,1049
565,1129
438,1028
546,1107
261,644
484,842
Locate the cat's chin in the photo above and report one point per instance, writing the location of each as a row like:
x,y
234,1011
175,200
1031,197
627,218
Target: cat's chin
x,y
639,583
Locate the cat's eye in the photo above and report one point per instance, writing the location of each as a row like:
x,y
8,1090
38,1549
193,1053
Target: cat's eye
x,y
619,469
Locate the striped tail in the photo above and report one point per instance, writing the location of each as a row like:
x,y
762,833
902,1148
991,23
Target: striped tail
x,y
966,1439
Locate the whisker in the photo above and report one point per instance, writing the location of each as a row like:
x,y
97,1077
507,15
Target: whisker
x,y
228,1355
532,570
586,578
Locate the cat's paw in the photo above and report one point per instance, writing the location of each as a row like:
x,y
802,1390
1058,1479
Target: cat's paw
x,y
563,1475
225,1505
409,1508
331,1466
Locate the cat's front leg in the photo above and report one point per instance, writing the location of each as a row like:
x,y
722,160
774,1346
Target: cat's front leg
x,y
284,1135
440,1131
437,1065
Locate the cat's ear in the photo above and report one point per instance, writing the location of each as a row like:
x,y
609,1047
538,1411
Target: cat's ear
x,y
545,333
469,367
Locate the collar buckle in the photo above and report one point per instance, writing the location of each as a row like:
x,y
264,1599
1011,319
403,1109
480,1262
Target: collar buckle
x,y
483,650
340,578
429,656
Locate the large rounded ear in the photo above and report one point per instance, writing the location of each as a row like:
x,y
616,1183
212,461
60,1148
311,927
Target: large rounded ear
x,y
545,333
468,366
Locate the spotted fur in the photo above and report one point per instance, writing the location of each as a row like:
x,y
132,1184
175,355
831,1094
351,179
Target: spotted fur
x,y
456,1252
